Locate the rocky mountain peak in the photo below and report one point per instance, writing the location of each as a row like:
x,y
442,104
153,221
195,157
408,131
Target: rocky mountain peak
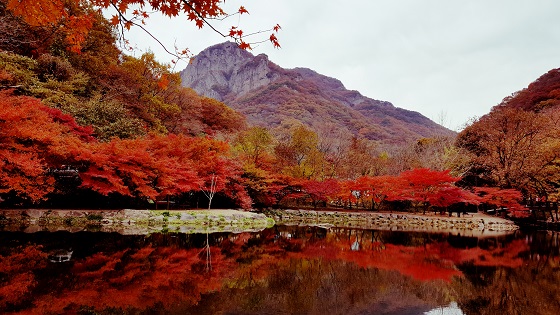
x,y
225,68
271,96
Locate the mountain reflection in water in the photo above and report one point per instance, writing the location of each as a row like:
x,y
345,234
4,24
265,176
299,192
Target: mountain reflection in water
x,y
282,270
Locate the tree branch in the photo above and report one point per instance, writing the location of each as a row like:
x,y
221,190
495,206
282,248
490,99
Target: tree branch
x,y
123,18
201,17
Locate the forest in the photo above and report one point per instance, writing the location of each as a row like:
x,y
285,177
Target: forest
x,y
84,125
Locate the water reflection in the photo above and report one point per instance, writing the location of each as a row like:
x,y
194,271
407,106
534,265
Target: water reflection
x,y
60,256
282,270
451,309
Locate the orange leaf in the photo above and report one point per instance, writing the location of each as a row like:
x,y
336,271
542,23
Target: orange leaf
x,y
50,11
123,6
163,82
115,20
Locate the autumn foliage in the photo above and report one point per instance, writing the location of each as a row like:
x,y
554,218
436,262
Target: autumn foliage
x,y
79,119
77,17
516,146
38,140
28,140
102,123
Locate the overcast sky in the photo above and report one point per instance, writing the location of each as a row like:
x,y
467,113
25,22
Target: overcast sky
x,y
449,60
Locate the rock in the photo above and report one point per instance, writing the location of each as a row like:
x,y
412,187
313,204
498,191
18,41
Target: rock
x,y
224,68
186,217
261,90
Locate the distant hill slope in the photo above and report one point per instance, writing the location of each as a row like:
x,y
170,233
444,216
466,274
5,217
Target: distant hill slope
x,y
542,94
516,145
275,97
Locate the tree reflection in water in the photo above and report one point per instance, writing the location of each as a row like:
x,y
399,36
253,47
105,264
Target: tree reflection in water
x,y
283,270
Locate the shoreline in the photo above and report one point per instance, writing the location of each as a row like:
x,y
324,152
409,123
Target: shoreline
x,y
475,224
130,221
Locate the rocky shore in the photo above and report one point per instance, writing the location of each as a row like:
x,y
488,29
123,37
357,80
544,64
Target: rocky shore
x,y
133,222
139,222
475,224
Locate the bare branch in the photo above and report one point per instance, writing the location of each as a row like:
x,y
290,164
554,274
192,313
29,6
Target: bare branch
x,y
123,18
211,191
187,3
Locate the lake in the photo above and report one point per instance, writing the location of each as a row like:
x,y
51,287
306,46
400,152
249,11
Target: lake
x,y
280,270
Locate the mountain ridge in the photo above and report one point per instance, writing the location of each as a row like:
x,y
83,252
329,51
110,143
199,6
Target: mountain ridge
x,y
271,96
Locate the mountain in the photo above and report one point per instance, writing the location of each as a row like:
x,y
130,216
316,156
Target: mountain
x,y
271,96
542,94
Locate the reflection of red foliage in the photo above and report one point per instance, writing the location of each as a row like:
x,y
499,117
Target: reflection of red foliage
x,y
416,262
16,274
168,276
18,286
436,261
503,256
97,265
138,279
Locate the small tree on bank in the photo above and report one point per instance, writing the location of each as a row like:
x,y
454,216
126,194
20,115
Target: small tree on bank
x,y
211,190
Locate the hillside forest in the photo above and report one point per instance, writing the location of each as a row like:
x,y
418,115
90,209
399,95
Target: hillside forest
x,y
84,125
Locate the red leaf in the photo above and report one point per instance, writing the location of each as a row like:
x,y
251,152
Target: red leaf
x,y
274,41
115,20
244,45
199,23
243,10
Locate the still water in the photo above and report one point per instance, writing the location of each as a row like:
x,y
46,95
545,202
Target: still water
x,y
282,270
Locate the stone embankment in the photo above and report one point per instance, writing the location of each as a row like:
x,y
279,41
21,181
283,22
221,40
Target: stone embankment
x,y
133,222
140,222
472,224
